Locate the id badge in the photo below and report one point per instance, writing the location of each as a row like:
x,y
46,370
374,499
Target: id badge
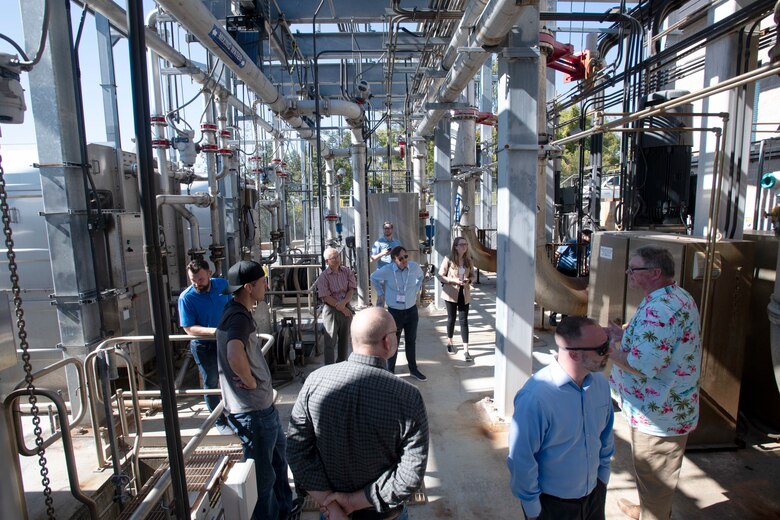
x,y
400,298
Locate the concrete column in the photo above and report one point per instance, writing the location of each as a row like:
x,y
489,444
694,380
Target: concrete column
x,y
517,165
442,193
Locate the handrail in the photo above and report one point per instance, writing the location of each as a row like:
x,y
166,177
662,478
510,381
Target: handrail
x,y
16,416
157,492
92,377
67,441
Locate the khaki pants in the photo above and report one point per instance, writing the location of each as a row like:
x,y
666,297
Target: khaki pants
x,y
657,462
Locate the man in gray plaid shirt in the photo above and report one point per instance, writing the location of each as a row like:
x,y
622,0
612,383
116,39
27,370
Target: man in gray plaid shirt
x,y
358,436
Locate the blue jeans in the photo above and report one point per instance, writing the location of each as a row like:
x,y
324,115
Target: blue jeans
x,y
205,356
403,516
264,441
405,321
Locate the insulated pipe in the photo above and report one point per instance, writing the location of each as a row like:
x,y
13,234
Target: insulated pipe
x,y
210,148
118,18
466,25
221,129
196,18
352,112
330,153
419,155
202,200
159,126
190,217
493,25
331,212
272,206
361,232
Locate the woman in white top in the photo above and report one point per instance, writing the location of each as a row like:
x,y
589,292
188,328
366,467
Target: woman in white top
x,y
456,275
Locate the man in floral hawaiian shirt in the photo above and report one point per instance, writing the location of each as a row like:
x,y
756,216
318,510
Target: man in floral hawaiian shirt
x,y
655,379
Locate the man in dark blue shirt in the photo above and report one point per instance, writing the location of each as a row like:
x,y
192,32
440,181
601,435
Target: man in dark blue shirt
x,y
568,255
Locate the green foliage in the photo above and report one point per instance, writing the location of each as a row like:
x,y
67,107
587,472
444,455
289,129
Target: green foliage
x,y
571,122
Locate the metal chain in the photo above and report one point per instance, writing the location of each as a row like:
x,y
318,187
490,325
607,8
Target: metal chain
x,y
21,326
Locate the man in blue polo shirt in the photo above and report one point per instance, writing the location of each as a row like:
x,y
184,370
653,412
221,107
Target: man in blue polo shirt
x,y
200,309
380,251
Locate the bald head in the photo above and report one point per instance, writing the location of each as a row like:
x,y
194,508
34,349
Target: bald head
x,y
370,330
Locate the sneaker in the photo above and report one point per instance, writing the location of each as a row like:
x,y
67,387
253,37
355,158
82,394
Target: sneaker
x,y
224,429
629,509
467,357
450,348
418,375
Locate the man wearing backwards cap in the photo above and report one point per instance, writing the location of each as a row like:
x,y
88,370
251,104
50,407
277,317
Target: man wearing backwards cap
x,y
246,389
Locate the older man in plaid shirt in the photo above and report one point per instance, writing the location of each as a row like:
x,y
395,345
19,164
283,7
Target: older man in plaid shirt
x,y
335,287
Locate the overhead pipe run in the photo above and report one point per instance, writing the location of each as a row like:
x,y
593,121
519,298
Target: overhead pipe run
x,y
495,22
196,18
118,18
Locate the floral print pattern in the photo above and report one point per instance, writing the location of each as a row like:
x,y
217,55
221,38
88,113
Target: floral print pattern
x,y
663,342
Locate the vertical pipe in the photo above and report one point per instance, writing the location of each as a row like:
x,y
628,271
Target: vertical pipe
x,y
136,39
359,193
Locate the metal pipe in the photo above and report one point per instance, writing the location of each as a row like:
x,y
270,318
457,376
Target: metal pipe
x,y
190,217
737,81
494,24
67,442
196,18
82,396
118,18
152,251
330,201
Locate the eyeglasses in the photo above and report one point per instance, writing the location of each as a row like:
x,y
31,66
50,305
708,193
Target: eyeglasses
x,y
601,350
332,258
402,257
632,270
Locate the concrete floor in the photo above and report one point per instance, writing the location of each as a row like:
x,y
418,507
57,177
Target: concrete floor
x,y
467,476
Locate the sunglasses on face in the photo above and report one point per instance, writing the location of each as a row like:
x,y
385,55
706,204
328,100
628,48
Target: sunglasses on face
x,y
632,270
601,350
403,257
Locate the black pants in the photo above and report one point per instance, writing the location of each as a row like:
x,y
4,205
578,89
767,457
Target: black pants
x,y
463,316
405,321
589,507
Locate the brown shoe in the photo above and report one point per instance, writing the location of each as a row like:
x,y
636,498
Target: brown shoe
x,y
629,509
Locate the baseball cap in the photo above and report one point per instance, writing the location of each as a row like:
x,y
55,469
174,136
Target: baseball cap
x,y
245,271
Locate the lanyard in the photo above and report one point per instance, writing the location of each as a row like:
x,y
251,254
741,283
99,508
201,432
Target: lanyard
x,y
406,283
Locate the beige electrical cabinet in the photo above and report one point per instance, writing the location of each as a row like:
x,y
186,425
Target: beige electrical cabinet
x,y
724,328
